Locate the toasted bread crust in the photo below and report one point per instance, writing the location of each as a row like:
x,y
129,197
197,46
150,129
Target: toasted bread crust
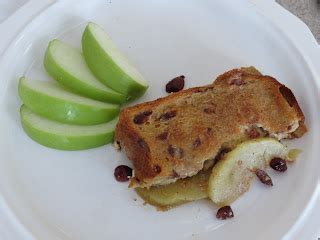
x,y
175,135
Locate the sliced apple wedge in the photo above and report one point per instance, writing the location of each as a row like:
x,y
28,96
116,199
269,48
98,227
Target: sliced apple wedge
x,y
233,175
67,66
64,136
51,100
182,191
109,65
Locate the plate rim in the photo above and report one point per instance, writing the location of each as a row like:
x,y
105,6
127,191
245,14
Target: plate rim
x,y
297,33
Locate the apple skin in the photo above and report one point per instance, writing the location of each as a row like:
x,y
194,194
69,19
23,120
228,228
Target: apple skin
x,y
177,193
65,110
106,69
74,83
67,137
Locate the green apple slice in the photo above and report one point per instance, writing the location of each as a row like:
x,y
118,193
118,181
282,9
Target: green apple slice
x,y
182,191
51,100
67,65
109,65
233,175
64,136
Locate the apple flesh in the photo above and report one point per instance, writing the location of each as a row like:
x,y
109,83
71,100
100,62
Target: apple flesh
x,y
65,136
67,66
109,65
51,100
234,173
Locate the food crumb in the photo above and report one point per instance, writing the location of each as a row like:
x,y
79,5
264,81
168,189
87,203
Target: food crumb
x,y
117,146
294,153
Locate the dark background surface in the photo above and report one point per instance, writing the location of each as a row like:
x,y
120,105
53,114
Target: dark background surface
x,y
307,10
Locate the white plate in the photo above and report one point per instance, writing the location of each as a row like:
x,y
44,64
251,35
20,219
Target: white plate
x,y
50,194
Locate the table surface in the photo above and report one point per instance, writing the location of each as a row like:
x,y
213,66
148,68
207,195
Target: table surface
x,y
307,10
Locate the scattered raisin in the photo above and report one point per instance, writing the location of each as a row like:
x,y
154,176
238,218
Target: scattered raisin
x,y
196,143
175,85
156,168
168,115
162,136
278,164
264,177
224,213
142,117
122,173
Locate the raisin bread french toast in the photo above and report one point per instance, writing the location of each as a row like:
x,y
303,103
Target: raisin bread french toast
x,y
177,136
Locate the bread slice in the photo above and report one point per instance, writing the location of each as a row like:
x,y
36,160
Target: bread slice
x,y
175,136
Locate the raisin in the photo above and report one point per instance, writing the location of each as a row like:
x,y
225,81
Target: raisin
x,y
264,177
278,164
162,136
142,117
168,115
122,173
253,133
156,168
224,213
196,143
175,85
209,110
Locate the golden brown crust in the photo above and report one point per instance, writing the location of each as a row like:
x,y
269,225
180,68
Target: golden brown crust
x,y
172,137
